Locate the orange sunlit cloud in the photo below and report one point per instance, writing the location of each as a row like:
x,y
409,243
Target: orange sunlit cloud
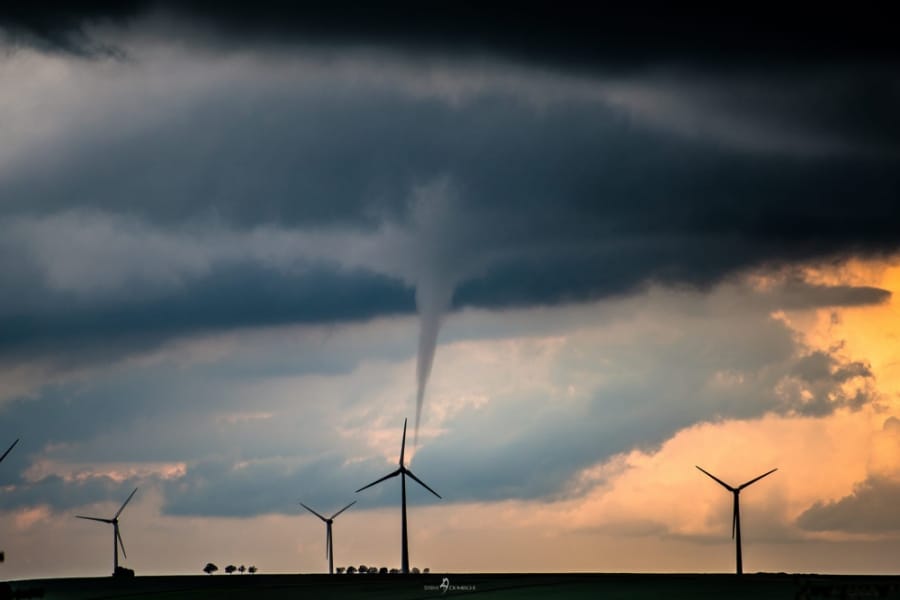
x,y
819,459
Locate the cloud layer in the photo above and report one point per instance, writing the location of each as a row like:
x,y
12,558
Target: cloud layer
x,y
250,425
216,229
184,189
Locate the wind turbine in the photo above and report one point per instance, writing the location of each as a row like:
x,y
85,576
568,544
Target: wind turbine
x,y
329,547
736,518
117,537
403,472
8,450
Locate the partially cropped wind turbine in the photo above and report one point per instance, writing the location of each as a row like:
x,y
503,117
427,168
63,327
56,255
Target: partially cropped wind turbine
x,y
117,537
736,518
8,450
403,472
329,547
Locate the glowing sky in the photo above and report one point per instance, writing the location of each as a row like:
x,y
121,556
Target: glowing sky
x,y
227,240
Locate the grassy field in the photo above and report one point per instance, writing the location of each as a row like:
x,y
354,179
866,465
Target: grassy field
x,y
493,586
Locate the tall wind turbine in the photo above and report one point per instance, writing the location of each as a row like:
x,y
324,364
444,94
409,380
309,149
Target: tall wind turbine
x,y
8,450
403,472
329,548
117,537
736,518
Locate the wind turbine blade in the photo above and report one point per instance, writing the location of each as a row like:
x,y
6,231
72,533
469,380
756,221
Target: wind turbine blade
x,y
121,543
127,500
722,483
8,450
328,544
313,512
422,483
334,516
755,479
377,481
94,519
403,444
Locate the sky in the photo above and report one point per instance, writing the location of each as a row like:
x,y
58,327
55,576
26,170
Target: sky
x,y
581,250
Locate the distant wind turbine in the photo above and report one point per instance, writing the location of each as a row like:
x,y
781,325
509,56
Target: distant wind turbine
x,y
329,547
403,472
736,518
117,537
8,450
2,554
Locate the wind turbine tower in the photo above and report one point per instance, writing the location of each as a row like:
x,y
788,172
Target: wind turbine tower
x,y
736,517
403,472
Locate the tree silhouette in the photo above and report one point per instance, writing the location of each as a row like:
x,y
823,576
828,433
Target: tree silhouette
x,y
251,570
210,568
230,569
242,568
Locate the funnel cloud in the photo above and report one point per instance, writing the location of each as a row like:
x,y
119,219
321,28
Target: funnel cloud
x,y
443,243
432,299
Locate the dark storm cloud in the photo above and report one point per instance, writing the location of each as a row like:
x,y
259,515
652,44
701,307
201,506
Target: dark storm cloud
x,y
61,26
567,34
798,294
185,191
572,201
547,281
295,155
871,508
222,488
228,297
61,495
776,42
